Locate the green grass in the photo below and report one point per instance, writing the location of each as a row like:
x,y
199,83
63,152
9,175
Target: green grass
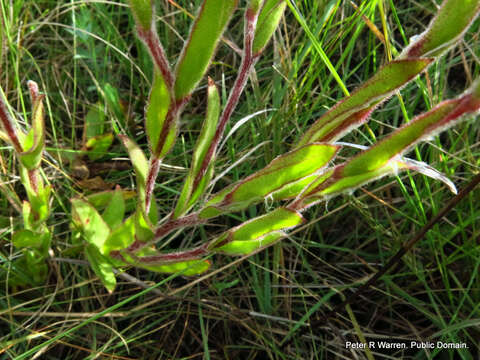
x,y
244,308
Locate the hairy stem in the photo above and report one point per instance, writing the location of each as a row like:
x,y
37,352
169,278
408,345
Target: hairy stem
x,y
150,38
166,228
7,123
156,158
248,61
151,177
184,255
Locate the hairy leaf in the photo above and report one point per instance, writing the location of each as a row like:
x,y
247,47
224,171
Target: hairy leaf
x,y
267,22
255,232
187,268
115,211
200,47
349,112
244,247
121,237
34,143
283,170
88,220
140,164
101,267
447,27
191,191
443,115
157,109
143,12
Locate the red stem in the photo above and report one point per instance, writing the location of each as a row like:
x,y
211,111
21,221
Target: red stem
x,y
185,255
248,61
151,177
7,123
166,228
152,41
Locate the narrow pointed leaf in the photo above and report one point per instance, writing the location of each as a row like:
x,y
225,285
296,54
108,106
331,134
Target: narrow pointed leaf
x,y
447,27
101,267
191,191
34,142
334,182
144,230
267,22
143,12
244,247
254,232
283,170
200,47
140,164
383,84
443,115
187,268
157,109
187,262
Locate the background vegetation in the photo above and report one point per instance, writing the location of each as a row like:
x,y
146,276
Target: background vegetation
x,y
84,54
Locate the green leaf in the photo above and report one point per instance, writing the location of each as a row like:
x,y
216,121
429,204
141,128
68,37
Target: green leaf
x,y
35,266
101,267
293,189
97,146
121,237
333,182
169,141
88,220
115,211
27,215
143,12
94,122
114,104
425,125
267,22
349,112
34,143
244,247
26,238
38,194
256,233
157,109
200,47
101,199
190,194
187,268
144,230
447,27
283,170
140,164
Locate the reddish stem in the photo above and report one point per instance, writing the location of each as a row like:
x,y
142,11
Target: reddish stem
x,y
150,38
166,228
151,177
185,255
248,61
7,123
